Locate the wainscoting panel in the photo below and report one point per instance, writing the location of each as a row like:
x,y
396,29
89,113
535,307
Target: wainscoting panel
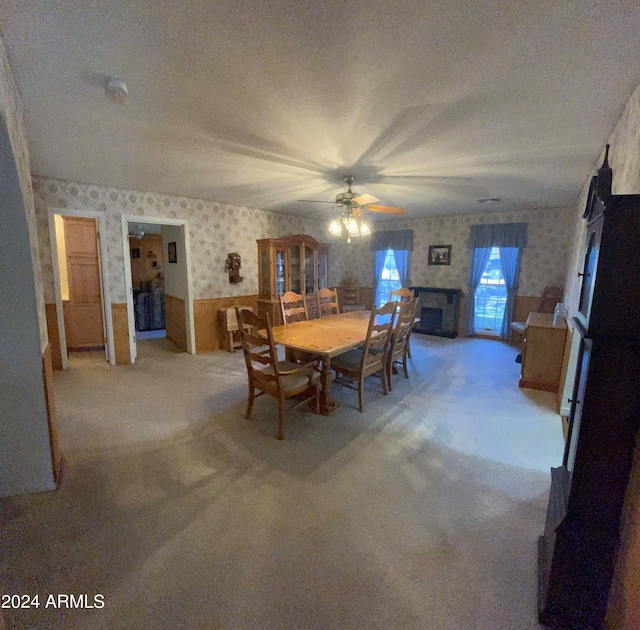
x,y
208,324
121,333
176,319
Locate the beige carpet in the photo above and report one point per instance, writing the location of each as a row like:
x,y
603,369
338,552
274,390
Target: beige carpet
x,y
421,513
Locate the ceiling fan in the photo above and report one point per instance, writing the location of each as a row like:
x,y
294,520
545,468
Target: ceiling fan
x,y
352,203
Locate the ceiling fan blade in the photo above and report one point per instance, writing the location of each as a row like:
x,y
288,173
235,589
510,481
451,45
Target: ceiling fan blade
x,y
313,201
363,200
385,209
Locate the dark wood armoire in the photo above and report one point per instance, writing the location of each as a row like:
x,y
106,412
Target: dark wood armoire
x,y
578,551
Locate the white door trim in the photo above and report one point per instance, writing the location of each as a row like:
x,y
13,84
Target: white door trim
x,y
104,278
184,224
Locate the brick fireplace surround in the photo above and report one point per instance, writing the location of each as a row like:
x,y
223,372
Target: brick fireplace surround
x,y
438,311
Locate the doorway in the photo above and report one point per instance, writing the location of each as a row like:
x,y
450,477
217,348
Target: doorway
x,y
172,271
81,287
491,296
147,279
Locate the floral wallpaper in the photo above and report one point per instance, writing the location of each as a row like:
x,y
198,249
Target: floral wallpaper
x,y
11,110
215,229
544,260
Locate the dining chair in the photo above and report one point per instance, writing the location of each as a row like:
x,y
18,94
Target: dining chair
x,y
267,374
550,297
371,357
401,295
350,301
327,300
400,337
230,326
294,307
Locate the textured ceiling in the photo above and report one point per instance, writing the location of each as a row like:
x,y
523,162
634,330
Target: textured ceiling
x,y
430,105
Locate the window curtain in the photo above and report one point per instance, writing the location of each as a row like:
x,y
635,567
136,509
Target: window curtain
x,y
401,242
402,258
378,265
479,260
510,263
391,239
498,235
506,236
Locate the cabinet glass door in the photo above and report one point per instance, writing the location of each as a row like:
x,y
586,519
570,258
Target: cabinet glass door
x,y
322,270
588,277
281,266
295,269
308,270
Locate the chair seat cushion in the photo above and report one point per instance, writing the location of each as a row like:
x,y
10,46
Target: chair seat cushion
x,y
519,326
349,360
299,379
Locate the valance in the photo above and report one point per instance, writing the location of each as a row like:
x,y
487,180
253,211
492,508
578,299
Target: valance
x,y
498,235
391,239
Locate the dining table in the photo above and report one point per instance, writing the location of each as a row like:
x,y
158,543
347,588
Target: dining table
x,y
325,338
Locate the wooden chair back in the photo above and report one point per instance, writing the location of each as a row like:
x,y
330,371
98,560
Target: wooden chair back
x,y
327,302
294,307
259,350
399,347
268,375
370,358
376,345
401,295
350,289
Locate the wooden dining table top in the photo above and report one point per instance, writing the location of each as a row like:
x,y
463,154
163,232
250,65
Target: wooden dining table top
x,y
326,336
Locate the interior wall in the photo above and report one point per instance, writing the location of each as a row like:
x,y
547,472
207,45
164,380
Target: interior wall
x,y
214,230
144,275
544,260
12,111
25,446
175,277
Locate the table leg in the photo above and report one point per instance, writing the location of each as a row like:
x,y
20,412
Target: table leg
x,y
327,403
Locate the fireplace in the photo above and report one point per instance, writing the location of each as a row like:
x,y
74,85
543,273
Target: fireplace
x,y
438,311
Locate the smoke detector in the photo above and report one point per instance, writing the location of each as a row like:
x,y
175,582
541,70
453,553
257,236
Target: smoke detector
x,y
116,90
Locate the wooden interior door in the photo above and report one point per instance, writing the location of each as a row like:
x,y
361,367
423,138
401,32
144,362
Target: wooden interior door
x,y
83,311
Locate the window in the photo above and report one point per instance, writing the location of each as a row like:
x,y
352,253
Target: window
x,y
389,280
491,296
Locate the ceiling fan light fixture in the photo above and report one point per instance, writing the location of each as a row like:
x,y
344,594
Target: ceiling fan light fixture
x,y
349,225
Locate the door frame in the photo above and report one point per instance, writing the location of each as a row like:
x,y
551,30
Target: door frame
x,y
189,316
105,293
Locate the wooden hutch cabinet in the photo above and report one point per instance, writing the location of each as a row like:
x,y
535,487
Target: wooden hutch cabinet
x,y
290,263
578,551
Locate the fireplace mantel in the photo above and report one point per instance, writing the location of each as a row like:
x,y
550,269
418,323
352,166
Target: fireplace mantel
x,y
438,311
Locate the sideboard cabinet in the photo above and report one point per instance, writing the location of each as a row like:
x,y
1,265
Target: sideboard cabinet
x,y
291,263
542,352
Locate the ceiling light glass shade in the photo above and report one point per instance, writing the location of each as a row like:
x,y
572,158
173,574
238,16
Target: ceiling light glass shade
x,y
335,228
350,226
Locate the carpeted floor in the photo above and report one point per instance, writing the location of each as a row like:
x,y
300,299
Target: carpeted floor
x,y
421,513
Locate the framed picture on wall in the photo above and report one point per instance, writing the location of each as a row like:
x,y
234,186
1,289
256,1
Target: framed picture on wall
x,y
173,257
439,254
135,253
